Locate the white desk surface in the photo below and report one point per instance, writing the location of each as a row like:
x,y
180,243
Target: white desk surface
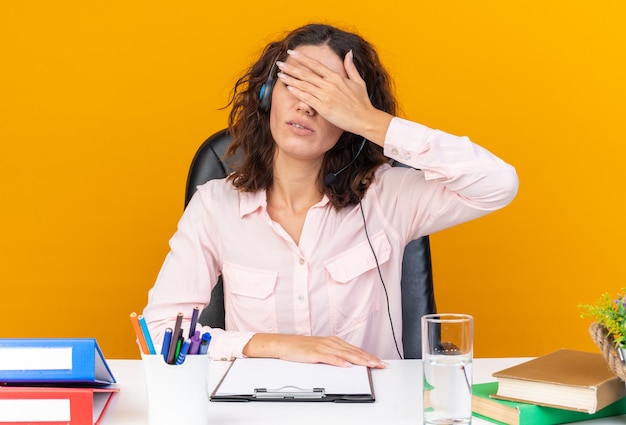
x,y
398,391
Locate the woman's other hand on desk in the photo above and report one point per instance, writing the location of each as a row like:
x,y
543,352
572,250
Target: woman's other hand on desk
x,y
310,349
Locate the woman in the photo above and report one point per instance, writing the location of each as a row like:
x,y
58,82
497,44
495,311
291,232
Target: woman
x,y
309,231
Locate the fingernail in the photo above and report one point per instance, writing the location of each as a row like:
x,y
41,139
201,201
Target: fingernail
x,y
350,54
281,75
280,64
292,52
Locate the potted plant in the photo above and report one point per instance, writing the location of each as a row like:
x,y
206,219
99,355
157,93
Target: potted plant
x,y
609,329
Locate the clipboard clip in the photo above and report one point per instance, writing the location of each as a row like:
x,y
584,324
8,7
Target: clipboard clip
x,y
289,392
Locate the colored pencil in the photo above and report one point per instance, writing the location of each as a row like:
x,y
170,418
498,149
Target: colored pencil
x,y
140,337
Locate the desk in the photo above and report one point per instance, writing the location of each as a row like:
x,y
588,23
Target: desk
x,y
398,399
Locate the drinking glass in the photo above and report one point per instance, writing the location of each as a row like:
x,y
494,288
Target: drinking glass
x,y
447,352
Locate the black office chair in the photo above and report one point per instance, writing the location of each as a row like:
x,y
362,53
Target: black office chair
x,y
418,297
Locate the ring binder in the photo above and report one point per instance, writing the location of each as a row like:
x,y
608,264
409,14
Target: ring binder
x,y
77,361
284,393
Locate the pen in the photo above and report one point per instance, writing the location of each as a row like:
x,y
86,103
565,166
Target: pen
x,y
138,333
194,320
204,344
172,351
183,351
146,334
195,343
167,339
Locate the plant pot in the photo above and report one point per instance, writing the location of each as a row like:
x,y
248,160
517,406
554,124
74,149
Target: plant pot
x,y
613,356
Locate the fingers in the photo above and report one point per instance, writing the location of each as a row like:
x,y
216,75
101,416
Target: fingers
x,y
319,69
304,67
339,95
348,63
329,350
310,349
317,75
313,83
304,90
346,355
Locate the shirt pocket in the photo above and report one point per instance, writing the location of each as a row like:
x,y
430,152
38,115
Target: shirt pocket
x,y
354,284
249,298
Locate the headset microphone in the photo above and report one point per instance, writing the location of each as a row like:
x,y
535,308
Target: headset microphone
x,y
331,178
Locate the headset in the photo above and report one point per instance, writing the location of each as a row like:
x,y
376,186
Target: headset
x,y
265,94
265,103
329,179
265,97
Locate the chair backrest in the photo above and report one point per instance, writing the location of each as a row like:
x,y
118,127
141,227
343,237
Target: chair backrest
x,y
418,297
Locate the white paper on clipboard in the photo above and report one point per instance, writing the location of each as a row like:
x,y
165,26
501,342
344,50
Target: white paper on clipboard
x,y
248,376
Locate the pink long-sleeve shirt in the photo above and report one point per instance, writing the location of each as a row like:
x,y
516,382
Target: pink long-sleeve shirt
x,y
328,284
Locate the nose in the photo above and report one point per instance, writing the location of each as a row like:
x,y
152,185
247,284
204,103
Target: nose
x,y
305,108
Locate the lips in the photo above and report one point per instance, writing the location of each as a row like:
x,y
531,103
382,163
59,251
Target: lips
x,y
299,126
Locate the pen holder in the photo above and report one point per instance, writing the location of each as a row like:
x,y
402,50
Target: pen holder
x,y
177,394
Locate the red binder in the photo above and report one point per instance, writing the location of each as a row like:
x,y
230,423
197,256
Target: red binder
x,y
54,405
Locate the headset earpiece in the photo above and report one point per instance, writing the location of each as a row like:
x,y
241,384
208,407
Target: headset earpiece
x,y
265,94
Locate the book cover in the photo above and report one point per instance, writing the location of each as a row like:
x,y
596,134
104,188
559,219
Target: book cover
x,y
518,413
54,405
566,379
77,361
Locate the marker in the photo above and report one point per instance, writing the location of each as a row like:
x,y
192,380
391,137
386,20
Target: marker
x,y
172,351
183,351
194,320
195,343
167,339
146,333
204,344
179,345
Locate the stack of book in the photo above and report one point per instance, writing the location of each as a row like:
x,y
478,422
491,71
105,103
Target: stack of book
x,y
53,381
561,387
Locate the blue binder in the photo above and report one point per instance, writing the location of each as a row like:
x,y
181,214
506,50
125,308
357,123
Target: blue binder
x,y
54,361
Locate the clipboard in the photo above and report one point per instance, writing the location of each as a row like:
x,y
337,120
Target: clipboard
x,y
280,380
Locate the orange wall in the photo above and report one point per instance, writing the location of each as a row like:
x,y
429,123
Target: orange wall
x,y
103,104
